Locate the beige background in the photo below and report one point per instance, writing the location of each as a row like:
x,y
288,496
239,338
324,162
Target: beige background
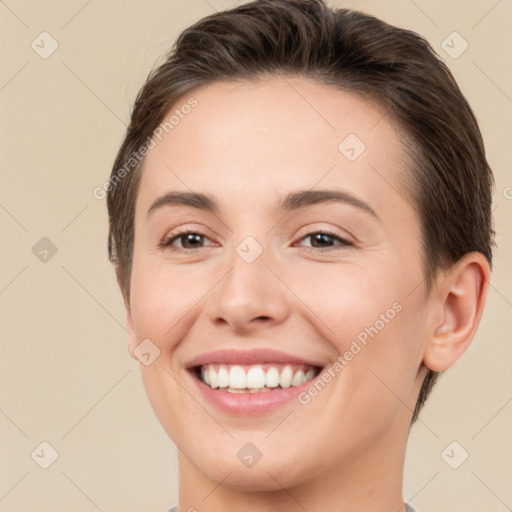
x,y
66,377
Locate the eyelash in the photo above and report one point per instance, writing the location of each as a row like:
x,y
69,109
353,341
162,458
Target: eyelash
x,y
168,241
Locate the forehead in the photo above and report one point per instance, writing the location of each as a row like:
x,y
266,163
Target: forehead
x,y
246,141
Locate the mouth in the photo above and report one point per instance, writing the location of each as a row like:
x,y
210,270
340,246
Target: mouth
x,y
254,378
249,382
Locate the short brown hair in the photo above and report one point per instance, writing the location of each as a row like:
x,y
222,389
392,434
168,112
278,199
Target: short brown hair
x,y
450,182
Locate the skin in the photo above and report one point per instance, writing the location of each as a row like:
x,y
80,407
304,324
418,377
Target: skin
x,y
248,145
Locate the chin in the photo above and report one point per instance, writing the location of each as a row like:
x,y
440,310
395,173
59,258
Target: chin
x,y
264,479
268,474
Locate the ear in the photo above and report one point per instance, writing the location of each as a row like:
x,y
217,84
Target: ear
x,y
460,292
132,339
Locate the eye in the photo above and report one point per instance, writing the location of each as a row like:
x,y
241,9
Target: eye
x,y
187,240
326,240
191,240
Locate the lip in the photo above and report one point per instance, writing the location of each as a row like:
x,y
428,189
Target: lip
x,y
245,404
253,356
249,403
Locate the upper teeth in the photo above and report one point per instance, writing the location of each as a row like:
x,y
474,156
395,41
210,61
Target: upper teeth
x,y
255,377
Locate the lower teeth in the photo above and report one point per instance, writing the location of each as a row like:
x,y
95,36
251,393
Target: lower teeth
x,y
246,390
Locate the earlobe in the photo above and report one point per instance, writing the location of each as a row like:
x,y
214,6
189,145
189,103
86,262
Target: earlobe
x,y
461,293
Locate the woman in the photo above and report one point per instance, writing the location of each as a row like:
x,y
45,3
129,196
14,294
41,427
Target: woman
x,y
300,223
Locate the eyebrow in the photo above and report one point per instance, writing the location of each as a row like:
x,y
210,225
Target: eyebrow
x,y
293,201
302,199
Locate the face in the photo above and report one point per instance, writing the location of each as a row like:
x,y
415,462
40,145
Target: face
x,y
295,271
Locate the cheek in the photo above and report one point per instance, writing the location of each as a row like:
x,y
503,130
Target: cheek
x,y
166,299
157,299
370,319
343,299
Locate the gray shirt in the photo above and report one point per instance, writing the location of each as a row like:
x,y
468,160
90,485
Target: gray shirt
x,y
408,508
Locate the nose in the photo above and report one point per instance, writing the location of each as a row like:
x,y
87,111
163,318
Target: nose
x,y
249,297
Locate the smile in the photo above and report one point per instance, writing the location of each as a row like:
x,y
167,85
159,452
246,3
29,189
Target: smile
x,y
251,382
